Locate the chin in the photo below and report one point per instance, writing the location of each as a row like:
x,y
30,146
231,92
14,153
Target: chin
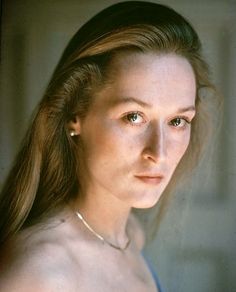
x,y
147,201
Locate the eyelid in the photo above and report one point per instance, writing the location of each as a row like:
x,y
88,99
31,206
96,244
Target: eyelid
x,y
188,115
187,119
183,117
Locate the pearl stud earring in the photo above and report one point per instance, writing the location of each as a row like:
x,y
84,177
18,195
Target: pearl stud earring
x,y
72,133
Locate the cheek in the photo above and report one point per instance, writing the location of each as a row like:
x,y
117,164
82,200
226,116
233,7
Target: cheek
x,y
178,147
108,145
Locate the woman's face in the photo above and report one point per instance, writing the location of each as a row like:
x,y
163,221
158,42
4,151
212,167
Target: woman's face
x,y
138,128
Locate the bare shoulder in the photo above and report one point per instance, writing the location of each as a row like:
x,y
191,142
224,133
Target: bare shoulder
x,y
136,231
36,263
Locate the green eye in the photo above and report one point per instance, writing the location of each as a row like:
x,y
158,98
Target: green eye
x,y
179,122
176,122
134,118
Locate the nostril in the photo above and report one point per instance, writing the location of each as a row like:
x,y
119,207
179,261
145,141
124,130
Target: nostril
x,y
148,154
155,153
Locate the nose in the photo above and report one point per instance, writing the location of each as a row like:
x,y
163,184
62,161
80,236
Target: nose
x,y
155,144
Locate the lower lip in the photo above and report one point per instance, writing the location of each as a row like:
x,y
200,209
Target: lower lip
x,y
150,180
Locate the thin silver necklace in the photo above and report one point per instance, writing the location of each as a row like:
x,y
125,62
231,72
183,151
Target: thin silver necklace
x,y
99,236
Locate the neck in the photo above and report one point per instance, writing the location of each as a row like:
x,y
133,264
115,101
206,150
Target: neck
x,y
106,217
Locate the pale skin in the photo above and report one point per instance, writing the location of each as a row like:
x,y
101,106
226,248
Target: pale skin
x,y
136,132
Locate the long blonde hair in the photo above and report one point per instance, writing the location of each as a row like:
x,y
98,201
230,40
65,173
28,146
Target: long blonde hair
x,y
43,178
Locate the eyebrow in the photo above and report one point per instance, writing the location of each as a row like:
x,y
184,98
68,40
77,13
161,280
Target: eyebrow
x,y
126,100
187,109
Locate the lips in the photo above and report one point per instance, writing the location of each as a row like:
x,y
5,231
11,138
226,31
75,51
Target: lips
x,y
150,178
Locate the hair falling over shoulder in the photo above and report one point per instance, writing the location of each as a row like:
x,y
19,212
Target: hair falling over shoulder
x,y
44,175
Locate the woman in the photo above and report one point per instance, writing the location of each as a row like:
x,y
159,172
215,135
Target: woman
x,y
123,109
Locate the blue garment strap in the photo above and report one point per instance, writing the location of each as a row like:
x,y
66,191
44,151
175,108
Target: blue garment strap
x,y
153,272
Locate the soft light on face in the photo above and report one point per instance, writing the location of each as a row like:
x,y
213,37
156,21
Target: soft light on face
x,y
138,128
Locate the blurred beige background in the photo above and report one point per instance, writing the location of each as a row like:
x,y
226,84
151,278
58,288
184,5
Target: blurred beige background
x,y
195,249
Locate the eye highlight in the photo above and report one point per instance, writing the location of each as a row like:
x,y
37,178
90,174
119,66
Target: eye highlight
x,y
134,118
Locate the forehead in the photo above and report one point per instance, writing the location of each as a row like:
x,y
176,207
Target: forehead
x,y
164,79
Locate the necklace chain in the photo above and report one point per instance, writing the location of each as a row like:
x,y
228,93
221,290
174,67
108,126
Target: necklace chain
x,y
99,236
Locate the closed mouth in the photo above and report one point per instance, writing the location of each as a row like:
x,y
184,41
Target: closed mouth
x,y
151,179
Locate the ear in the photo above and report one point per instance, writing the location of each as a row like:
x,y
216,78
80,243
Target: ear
x,y
74,126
